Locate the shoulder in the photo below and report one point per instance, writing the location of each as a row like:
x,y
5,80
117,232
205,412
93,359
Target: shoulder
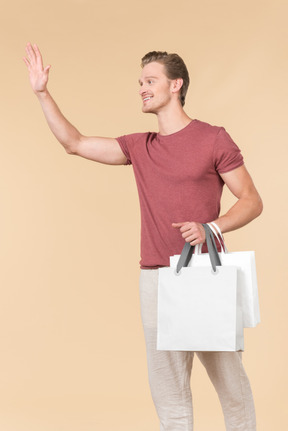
x,y
134,143
207,128
134,138
216,135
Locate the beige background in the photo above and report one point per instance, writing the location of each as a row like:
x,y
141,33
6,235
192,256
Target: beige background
x,y
72,353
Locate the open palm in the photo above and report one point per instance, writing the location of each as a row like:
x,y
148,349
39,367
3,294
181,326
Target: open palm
x,y
37,74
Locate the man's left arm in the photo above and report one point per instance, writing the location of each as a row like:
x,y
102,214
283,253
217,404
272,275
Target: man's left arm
x,y
249,204
248,207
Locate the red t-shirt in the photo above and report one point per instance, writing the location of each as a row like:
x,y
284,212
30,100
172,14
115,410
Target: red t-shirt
x,y
178,180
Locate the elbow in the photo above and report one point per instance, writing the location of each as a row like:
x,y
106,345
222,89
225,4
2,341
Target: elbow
x,y
72,146
258,206
70,150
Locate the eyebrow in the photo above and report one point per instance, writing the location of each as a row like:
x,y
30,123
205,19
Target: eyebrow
x,y
147,77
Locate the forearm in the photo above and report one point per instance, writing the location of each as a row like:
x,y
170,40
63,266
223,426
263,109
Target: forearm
x,y
248,206
102,150
64,131
243,212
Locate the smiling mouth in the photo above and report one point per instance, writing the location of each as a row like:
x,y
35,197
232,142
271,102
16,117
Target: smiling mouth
x,y
147,98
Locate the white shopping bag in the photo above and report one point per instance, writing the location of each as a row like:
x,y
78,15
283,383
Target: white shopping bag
x,y
247,278
199,309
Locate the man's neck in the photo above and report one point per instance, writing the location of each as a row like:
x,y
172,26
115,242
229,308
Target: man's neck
x,y
172,121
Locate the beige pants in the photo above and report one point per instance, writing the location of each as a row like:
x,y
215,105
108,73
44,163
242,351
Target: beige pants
x,y
170,372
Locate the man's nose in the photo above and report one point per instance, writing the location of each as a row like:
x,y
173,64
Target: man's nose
x,y
142,90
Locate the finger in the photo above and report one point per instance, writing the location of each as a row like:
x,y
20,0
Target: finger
x,y
38,56
26,61
196,241
188,234
30,53
186,228
190,239
180,225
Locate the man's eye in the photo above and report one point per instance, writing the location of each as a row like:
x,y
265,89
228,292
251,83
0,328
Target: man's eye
x,y
150,81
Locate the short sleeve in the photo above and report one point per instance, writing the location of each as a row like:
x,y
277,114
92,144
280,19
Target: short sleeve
x,y
124,145
227,155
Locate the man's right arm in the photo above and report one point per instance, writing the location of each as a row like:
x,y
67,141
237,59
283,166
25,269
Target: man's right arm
x,y
102,150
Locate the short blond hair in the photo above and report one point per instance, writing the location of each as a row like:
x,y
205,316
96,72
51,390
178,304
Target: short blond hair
x,y
174,68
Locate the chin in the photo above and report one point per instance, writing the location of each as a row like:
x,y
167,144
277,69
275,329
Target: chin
x,y
147,110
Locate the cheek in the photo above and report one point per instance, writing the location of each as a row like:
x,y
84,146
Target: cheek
x,y
165,96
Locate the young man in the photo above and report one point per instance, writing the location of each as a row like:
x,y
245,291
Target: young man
x,y
180,172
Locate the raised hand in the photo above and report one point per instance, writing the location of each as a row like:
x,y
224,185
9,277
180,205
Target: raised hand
x,y
37,74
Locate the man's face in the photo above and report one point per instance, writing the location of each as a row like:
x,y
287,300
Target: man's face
x,y
155,88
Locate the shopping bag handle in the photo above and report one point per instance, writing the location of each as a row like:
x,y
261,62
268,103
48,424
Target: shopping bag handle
x,y
185,256
188,249
218,234
212,248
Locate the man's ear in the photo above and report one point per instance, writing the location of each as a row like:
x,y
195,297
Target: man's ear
x,y
176,85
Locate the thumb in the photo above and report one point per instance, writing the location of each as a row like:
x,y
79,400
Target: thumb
x,y
47,68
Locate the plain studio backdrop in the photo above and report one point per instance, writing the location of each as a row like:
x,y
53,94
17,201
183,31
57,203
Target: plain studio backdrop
x,y
72,354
